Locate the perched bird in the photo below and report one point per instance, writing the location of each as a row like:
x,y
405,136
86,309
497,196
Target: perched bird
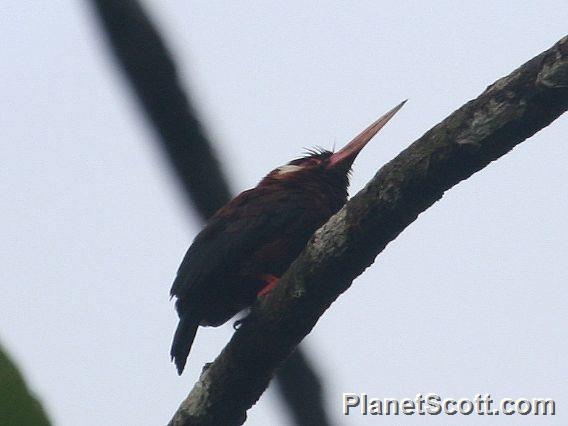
x,y
250,242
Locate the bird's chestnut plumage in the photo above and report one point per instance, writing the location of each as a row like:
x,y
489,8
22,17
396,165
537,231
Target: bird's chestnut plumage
x,y
251,241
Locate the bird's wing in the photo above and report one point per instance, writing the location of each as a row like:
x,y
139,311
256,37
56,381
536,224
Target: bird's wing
x,y
231,236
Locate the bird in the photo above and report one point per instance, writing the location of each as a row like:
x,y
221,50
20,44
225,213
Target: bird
x,y
248,244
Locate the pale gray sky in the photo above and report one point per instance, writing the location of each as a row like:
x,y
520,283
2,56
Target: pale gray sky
x,y
470,299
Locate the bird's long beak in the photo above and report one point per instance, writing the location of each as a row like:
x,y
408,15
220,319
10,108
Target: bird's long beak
x,y
346,155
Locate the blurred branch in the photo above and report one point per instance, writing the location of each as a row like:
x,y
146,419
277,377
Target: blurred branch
x,y
507,113
150,69
17,405
306,406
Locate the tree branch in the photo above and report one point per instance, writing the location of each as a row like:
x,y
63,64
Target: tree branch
x,y
150,69
507,113
302,390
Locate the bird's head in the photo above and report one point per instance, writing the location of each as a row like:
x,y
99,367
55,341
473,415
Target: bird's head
x,y
322,166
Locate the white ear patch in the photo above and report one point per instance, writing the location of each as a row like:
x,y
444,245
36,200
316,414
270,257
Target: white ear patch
x,y
288,168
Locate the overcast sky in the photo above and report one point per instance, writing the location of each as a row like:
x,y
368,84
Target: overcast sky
x,y
471,298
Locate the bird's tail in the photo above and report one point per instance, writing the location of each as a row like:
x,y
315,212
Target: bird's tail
x,y
183,339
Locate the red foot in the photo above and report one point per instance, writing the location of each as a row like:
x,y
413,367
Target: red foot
x,y
270,282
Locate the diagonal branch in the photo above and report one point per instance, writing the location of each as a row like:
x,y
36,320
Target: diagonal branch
x,y
507,113
150,69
